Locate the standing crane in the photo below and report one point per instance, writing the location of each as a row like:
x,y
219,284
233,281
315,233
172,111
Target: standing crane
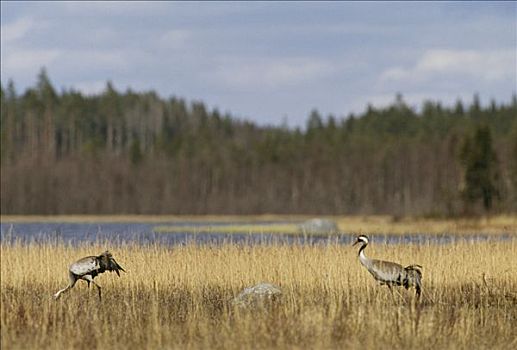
x,y
88,268
390,273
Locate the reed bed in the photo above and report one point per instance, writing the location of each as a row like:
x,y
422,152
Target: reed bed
x,y
179,298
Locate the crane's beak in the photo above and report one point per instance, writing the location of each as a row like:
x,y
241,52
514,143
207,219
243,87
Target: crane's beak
x,y
357,241
119,268
116,267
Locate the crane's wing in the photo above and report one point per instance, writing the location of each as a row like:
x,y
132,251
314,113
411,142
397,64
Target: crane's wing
x,y
84,266
386,271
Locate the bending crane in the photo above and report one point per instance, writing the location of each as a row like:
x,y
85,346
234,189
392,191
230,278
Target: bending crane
x,y
88,268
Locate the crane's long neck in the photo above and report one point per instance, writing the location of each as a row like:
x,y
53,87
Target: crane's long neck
x,y
362,257
103,262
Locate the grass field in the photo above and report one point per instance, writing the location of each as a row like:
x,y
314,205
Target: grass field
x,y
178,298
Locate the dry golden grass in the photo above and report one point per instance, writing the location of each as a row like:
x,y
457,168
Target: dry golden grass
x,y
178,298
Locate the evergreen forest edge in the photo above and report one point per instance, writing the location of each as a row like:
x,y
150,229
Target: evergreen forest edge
x,y
139,153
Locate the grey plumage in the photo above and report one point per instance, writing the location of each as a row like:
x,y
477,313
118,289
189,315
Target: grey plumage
x,y
88,268
390,273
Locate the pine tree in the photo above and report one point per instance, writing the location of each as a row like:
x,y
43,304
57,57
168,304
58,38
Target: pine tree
x,y
480,169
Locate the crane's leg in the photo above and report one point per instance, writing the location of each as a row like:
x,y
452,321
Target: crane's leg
x,y
396,291
67,288
418,286
391,291
88,279
400,295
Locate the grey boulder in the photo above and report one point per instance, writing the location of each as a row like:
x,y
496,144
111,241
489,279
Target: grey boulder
x,y
260,295
318,226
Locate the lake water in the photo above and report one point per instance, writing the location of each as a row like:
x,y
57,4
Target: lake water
x,y
142,233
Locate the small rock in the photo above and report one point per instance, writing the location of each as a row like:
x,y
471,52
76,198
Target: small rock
x,y
318,226
260,295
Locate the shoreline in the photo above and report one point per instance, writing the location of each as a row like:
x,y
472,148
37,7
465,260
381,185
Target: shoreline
x,y
372,224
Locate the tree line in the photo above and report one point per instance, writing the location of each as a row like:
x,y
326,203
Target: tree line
x,y
138,153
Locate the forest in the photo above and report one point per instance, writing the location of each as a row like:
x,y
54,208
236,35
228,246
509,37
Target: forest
x,y
63,152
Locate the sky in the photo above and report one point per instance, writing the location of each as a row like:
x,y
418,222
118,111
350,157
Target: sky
x,y
269,62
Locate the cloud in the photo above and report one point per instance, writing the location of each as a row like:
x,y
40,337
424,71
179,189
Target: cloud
x,y
270,73
174,39
18,61
93,87
16,30
113,59
488,66
113,8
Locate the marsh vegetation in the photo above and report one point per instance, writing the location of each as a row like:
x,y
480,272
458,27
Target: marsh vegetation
x,y
172,298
